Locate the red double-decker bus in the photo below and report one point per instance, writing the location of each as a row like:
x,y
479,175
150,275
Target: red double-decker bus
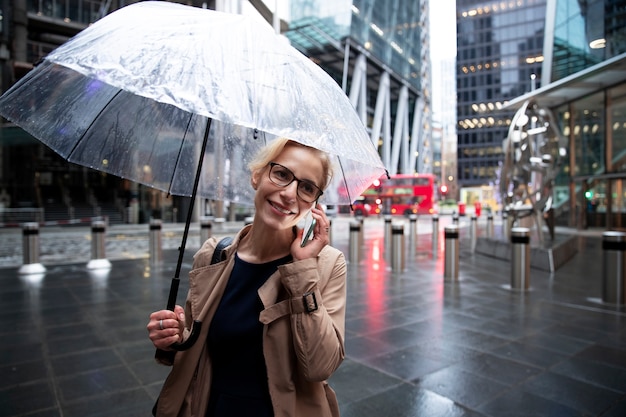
x,y
402,194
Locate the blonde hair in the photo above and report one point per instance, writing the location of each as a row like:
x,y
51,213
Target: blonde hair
x,y
271,151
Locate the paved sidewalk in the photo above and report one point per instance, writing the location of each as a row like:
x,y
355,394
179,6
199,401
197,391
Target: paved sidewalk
x,y
75,342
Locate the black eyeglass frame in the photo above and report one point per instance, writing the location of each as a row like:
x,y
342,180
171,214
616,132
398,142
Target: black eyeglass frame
x,y
294,178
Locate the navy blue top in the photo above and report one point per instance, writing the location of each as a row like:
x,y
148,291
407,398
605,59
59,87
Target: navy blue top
x,y
235,342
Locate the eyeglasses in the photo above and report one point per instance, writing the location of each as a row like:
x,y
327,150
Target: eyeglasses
x,y
282,176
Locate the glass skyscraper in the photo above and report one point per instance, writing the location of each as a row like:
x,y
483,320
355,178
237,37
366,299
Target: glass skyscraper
x,y
390,34
400,45
565,55
336,34
583,34
499,57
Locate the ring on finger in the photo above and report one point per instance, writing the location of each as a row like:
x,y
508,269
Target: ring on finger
x,y
161,324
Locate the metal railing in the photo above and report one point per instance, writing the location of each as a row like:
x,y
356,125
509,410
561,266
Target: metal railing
x,y
21,215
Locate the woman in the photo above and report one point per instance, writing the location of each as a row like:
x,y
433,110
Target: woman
x,y
273,312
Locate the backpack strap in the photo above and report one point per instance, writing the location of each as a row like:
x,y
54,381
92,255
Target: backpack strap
x,y
218,253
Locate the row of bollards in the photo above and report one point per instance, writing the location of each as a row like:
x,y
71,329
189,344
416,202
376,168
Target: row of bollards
x,y
613,245
614,250
520,255
98,260
395,247
30,248
394,243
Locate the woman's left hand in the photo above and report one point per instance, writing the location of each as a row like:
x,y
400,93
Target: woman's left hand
x,y
321,236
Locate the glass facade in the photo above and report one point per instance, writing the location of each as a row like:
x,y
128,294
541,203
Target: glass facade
x,y
390,34
362,41
596,128
502,56
588,135
586,33
617,128
499,57
317,23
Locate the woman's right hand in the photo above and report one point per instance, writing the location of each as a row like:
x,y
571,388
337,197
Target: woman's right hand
x,y
166,327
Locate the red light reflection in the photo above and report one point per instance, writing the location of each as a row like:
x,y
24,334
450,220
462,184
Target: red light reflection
x,y
375,276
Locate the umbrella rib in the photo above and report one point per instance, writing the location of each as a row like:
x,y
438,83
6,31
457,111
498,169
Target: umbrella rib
x,y
180,151
82,136
345,181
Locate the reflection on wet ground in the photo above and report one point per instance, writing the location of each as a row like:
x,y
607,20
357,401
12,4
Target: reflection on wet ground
x,y
75,342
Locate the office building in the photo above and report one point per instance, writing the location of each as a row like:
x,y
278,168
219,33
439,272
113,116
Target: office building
x,y
584,85
567,56
499,57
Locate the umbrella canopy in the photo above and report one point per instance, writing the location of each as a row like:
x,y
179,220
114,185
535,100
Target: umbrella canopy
x,y
132,96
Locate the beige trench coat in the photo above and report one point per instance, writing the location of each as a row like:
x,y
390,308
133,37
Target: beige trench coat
x,y
302,349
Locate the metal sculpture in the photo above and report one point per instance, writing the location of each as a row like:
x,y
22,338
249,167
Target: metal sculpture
x,y
533,152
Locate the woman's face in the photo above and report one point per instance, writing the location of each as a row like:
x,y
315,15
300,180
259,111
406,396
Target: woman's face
x,y
280,207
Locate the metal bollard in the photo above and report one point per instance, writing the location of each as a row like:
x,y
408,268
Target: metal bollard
x,y
520,258
435,235
355,239
205,228
473,232
614,267
98,246
361,221
490,225
387,228
397,247
156,246
412,229
30,249
451,264
387,238
220,223
507,224
455,219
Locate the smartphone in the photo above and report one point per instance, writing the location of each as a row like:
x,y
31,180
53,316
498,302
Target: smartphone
x,y
309,224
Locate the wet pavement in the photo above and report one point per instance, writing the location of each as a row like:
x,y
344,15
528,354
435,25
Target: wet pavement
x,y
75,344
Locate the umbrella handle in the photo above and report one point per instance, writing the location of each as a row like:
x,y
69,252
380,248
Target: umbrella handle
x,y
196,325
191,340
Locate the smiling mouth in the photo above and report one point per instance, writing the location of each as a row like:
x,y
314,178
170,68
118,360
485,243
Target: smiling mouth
x,y
281,209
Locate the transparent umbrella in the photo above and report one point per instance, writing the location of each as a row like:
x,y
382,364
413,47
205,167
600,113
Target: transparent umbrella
x,y
135,90
180,98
